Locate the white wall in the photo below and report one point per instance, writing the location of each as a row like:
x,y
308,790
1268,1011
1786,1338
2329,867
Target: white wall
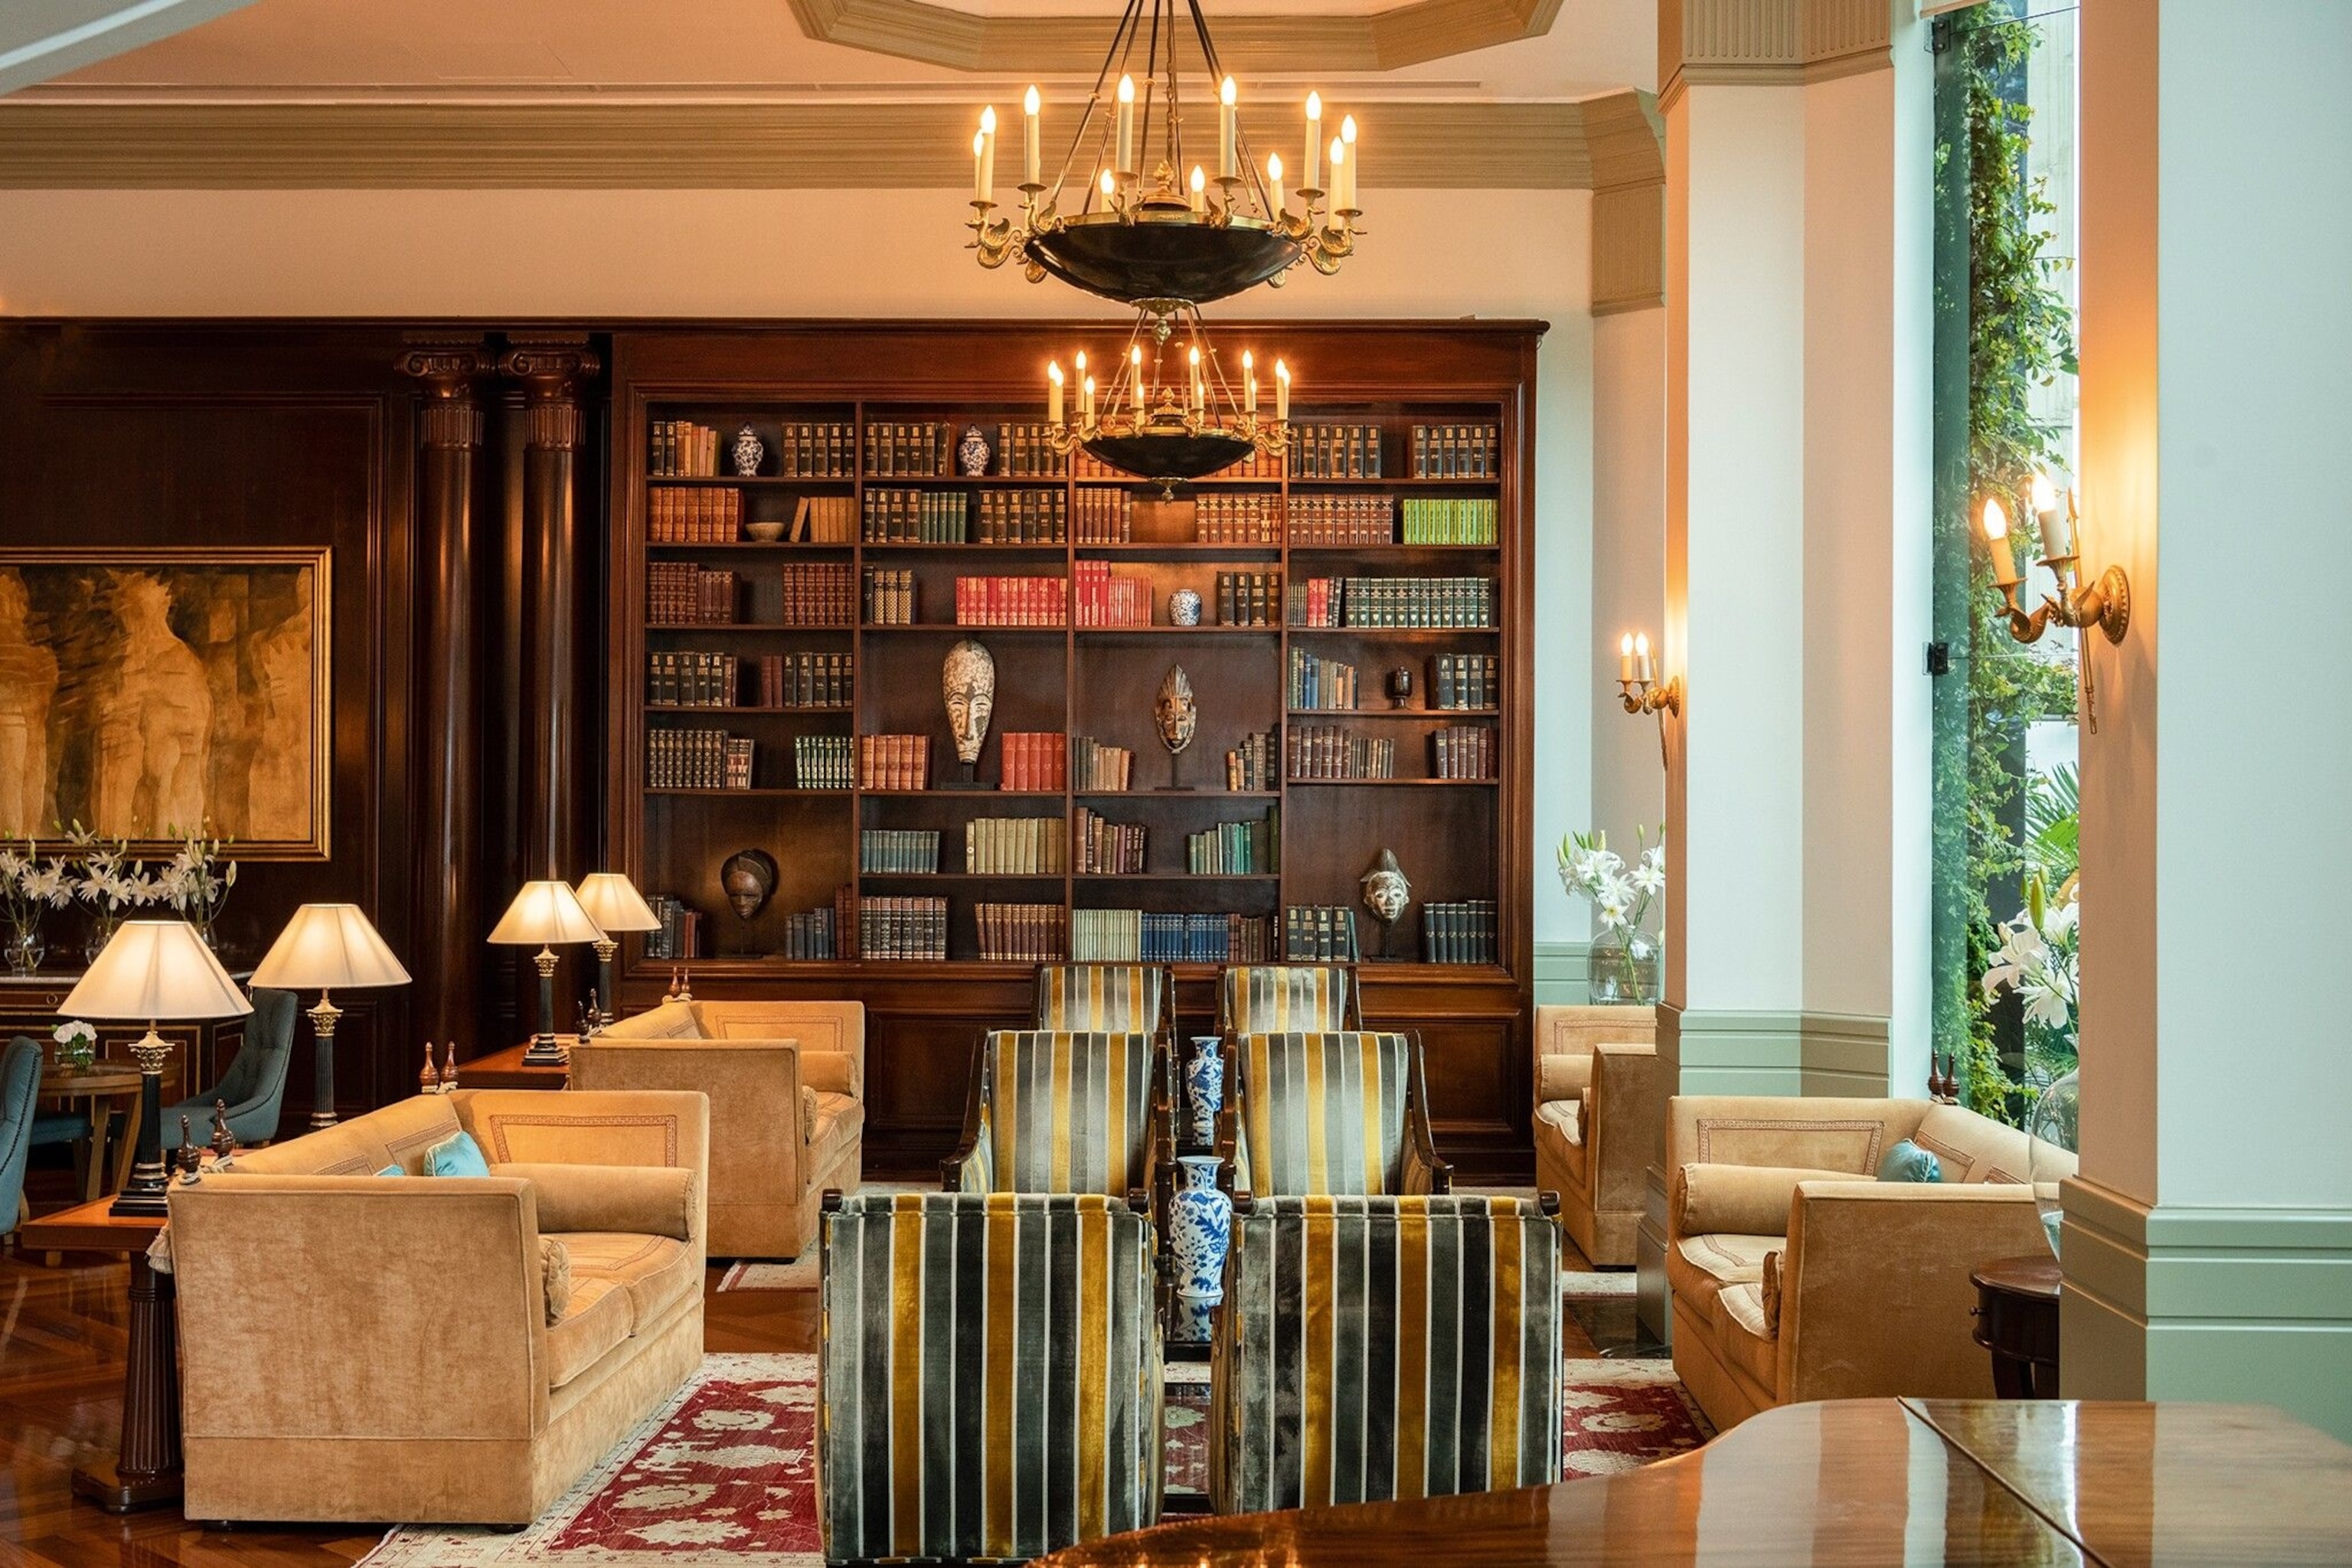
x,y
730,253
1628,567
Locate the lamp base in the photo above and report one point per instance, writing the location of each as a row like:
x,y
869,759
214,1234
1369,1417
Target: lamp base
x,y
137,1197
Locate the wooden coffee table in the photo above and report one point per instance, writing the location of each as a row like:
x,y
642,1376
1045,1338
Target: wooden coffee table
x,y
145,1469
107,1086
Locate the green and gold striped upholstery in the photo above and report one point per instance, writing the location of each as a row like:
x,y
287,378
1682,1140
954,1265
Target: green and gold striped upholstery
x,y
1376,1348
989,1384
1326,1113
1062,1114
1276,998
1082,996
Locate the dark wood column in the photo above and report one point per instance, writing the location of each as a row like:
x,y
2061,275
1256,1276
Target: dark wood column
x,y
447,939
558,768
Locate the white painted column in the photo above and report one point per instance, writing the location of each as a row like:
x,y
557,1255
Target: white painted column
x,y
1799,147
2207,1243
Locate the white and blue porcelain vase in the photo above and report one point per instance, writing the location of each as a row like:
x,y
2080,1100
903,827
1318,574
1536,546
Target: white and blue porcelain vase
x,y
1200,1225
1192,1323
749,449
1204,1089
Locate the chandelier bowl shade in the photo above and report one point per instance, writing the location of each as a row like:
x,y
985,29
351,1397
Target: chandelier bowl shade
x,y
1159,263
1170,456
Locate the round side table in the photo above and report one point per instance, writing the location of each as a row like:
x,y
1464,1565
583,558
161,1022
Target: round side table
x,y
2017,1322
105,1085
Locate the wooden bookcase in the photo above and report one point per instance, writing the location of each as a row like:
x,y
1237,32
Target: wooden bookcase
x,y
1456,839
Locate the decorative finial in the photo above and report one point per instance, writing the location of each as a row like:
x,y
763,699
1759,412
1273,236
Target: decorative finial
x,y
428,1081
449,1069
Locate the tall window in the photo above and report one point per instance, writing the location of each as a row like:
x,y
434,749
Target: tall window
x,y
2005,712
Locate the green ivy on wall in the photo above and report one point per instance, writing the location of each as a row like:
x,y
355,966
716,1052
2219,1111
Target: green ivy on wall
x,y
2019,335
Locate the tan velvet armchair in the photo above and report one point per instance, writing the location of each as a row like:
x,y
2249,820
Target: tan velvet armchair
x,y
1796,1274
787,1088
359,1348
1595,1072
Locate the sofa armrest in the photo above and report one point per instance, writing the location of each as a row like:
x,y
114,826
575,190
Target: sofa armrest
x,y
392,1307
1874,1291
1737,1200
1229,1125
641,1200
969,1167
1619,1134
1425,1171
1562,1074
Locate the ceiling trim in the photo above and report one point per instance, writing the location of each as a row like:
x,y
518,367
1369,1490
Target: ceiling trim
x,y
1768,43
1407,35
707,147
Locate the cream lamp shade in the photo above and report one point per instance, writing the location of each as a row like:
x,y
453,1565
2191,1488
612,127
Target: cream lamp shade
x,y
613,901
153,970
329,947
544,914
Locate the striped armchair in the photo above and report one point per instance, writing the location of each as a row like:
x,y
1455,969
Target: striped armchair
x,y
1335,1113
1122,996
1274,998
1377,1348
1058,1112
988,1379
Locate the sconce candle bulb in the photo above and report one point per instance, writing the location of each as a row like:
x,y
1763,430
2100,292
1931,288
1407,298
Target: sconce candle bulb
x,y
2105,604
1640,689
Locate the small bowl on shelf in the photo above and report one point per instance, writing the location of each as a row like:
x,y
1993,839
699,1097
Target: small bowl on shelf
x,y
764,533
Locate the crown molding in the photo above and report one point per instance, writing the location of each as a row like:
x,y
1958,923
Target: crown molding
x,y
1768,43
1407,35
705,147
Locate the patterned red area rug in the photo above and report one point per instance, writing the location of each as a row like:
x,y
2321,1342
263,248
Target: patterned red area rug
x,y
1614,1415
726,1469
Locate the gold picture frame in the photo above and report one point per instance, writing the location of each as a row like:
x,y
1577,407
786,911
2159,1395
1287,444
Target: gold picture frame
x,y
144,690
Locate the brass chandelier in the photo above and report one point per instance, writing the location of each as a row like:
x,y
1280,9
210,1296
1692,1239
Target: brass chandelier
x,y
1137,229
1161,424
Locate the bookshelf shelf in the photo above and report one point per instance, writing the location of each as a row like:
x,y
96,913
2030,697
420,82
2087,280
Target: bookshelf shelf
x,y
857,389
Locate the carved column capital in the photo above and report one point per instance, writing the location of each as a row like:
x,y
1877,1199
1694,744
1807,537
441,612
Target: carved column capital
x,y
552,369
449,368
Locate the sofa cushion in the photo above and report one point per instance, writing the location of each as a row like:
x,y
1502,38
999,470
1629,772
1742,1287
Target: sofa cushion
x,y
455,1156
1699,1267
670,1021
1772,1291
1973,1148
594,1319
1906,1161
397,1135
1751,1200
554,1278
654,1270
1559,1128
1744,1334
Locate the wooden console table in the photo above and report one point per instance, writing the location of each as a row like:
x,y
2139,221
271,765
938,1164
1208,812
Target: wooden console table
x,y
145,1469
505,1069
1862,1481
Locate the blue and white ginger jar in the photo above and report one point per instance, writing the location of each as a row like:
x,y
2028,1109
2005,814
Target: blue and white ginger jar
x,y
1200,1227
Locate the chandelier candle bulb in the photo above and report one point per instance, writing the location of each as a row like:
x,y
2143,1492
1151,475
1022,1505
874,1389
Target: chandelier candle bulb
x,y
1996,531
988,154
1281,392
1086,402
1338,183
980,167
1228,166
1355,170
1135,380
1313,140
1249,384
1200,189
1124,160
1052,392
1030,162
1273,198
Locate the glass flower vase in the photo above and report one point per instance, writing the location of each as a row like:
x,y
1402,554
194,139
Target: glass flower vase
x,y
1621,968
25,949
2055,1129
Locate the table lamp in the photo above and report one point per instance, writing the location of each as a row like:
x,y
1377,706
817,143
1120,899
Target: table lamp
x,y
613,901
545,912
327,948
154,970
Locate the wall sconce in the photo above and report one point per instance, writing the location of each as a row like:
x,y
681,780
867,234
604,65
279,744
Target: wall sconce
x,y
2105,604
1641,690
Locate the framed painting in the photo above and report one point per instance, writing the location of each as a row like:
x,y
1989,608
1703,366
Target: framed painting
x,y
148,692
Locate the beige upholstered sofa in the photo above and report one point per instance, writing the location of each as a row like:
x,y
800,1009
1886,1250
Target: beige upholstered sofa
x,y
787,1087
1797,1275
361,1348
1596,1070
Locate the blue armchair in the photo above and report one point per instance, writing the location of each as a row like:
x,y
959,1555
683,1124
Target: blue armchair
x,y
20,1084
255,1084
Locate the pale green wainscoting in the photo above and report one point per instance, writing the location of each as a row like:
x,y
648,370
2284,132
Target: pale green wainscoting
x,y
2236,1304
1727,1052
1559,973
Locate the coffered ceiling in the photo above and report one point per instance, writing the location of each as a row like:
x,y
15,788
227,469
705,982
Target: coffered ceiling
x,y
788,92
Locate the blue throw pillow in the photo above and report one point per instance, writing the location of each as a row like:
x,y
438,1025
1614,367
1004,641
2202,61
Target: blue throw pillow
x,y
455,1156
1906,1161
391,1170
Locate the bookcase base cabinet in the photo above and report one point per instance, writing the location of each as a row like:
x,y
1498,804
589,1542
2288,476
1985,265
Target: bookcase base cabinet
x,y
922,1018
